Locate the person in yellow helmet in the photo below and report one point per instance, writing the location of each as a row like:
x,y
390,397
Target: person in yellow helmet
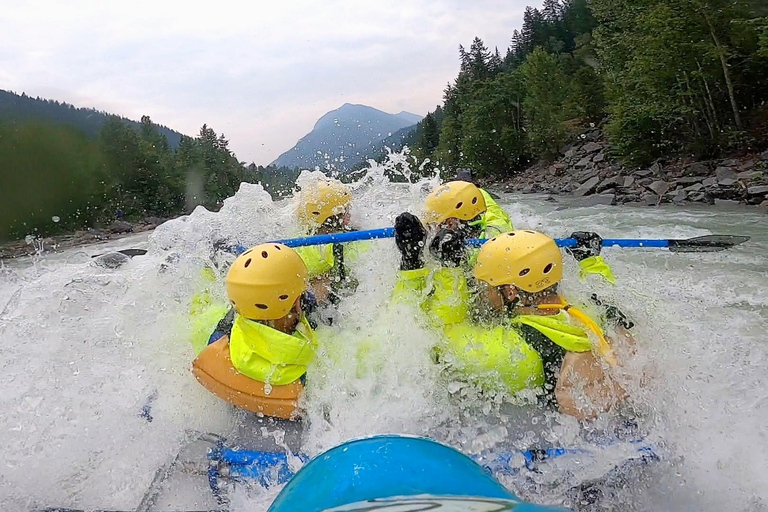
x,y
265,336
324,208
461,205
522,271
495,219
531,339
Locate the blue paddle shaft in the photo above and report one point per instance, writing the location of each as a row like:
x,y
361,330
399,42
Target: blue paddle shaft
x,y
374,234
352,236
257,464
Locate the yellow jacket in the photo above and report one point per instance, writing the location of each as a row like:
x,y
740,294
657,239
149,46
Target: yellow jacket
x,y
269,355
319,259
495,357
495,220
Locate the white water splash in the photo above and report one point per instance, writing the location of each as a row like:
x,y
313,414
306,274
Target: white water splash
x,y
85,347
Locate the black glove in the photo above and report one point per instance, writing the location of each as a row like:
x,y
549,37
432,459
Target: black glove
x,y
448,247
588,244
410,236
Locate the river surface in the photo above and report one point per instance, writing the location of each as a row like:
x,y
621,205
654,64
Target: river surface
x,y
86,347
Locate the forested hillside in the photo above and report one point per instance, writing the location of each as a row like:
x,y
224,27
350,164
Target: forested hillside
x,y
56,178
667,76
15,108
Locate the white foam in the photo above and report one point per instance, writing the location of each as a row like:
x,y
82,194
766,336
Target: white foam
x,y
84,347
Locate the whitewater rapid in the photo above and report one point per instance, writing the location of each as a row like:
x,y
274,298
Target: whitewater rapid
x,y
85,348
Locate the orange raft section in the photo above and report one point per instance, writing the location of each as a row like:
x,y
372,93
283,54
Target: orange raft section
x,y
214,370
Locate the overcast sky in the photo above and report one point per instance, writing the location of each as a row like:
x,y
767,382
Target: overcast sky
x,y
260,71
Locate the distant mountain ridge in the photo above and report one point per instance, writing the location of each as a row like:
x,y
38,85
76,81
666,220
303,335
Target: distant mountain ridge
x,y
345,137
21,108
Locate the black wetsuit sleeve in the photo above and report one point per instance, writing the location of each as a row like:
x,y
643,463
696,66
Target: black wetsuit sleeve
x,y
552,356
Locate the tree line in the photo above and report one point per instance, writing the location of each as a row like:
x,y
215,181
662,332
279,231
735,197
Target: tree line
x,y
22,108
55,178
666,76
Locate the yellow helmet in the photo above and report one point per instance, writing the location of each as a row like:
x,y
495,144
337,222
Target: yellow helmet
x,y
457,199
527,260
322,200
265,281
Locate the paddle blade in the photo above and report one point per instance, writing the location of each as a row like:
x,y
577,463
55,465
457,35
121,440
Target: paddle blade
x,y
707,243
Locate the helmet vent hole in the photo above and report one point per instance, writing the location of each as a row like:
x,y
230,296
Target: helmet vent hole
x,y
316,213
524,272
247,262
474,200
460,204
264,254
261,306
531,232
548,268
283,297
278,248
510,234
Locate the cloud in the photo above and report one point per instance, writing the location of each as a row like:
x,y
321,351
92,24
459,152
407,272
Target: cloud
x,y
260,72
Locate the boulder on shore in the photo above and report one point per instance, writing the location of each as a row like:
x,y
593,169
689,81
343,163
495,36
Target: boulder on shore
x,y
587,187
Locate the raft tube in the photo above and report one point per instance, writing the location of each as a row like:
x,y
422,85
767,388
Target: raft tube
x,y
214,370
391,470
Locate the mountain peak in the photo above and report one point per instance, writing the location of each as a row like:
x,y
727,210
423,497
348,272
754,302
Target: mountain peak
x,y
343,137
409,116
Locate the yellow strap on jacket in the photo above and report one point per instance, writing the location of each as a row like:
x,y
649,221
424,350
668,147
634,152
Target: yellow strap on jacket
x,y
268,355
603,347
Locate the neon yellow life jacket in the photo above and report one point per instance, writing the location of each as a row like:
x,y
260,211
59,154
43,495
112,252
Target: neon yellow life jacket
x,y
319,258
495,220
566,336
558,329
495,358
268,355
205,312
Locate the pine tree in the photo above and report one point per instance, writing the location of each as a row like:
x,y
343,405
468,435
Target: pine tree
x,y
551,10
478,60
546,94
495,64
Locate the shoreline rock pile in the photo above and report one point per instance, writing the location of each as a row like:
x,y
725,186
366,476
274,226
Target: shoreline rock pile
x,y
586,169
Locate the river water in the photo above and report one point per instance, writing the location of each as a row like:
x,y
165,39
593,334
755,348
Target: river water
x,y
86,347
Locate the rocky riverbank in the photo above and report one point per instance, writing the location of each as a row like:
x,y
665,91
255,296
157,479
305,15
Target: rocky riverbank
x,y
32,245
586,169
